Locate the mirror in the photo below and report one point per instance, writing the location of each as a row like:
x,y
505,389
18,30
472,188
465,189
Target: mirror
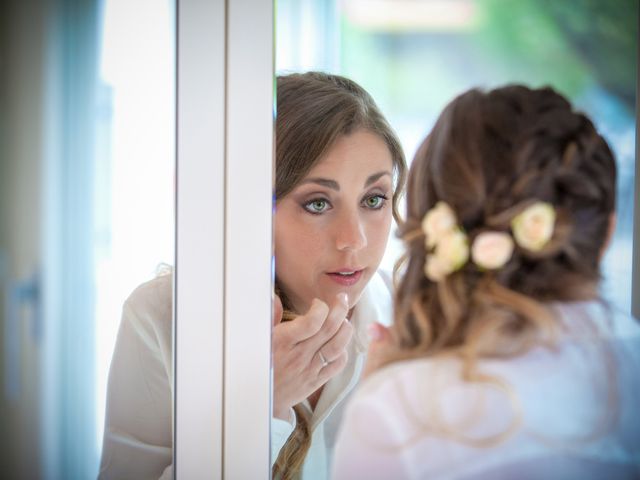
x,y
413,57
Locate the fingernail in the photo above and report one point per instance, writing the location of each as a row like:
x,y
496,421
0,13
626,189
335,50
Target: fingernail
x,y
374,332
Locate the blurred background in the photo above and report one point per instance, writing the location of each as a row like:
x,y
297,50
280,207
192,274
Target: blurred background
x,y
87,160
414,56
86,212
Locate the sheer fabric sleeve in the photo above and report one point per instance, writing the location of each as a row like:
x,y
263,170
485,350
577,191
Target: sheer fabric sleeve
x,y
138,422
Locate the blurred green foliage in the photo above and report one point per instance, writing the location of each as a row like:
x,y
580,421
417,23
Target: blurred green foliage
x,y
569,44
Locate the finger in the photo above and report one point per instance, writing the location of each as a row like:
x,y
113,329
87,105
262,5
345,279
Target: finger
x,y
277,310
335,319
378,335
307,325
332,349
322,360
379,341
332,369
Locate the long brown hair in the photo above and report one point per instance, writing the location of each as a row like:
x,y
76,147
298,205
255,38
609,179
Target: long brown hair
x,y
314,109
488,157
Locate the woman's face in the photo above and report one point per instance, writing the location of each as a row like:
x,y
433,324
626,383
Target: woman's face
x,y
331,230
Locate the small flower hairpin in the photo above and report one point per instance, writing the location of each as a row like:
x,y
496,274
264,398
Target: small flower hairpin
x,y
492,250
445,240
448,245
533,227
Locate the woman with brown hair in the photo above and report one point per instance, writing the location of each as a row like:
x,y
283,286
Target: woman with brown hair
x,y
339,173
503,362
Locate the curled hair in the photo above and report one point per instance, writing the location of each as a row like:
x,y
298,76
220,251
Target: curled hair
x,y
488,156
314,110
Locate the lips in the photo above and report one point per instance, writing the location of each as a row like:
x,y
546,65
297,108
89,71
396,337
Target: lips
x,y
346,277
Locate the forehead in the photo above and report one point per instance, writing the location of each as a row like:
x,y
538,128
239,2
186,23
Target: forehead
x,y
358,154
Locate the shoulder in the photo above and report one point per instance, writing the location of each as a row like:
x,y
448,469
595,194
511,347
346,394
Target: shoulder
x,y
399,407
402,388
149,307
389,380
586,323
154,296
626,327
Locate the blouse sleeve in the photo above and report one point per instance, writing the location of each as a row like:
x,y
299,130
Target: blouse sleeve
x,y
138,422
280,432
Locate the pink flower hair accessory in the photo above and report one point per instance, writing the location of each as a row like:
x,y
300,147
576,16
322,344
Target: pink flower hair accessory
x,y
448,248
492,250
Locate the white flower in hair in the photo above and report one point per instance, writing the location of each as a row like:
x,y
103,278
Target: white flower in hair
x,y
533,227
434,268
451,253
492,250
438,221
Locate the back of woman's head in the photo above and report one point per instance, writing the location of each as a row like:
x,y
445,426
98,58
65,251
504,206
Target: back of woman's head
x,y
314,109
489,157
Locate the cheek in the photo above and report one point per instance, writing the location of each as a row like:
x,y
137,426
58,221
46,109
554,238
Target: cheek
x,y
378,234
296,251
297,246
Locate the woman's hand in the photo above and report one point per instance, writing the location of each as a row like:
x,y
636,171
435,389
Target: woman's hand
x,y
379,343
308,351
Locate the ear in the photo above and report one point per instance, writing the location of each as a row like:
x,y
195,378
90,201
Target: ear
x,y
610,231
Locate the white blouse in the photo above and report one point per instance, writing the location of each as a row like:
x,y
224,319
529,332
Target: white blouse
x,y
577,406
138,423
138,431
375,305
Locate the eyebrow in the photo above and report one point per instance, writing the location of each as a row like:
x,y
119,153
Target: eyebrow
x,y
325,182
373,178
332,184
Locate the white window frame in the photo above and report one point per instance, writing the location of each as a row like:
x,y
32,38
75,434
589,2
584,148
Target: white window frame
x,y
223,282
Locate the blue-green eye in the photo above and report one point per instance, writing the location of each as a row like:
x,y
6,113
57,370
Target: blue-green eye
x,y
375,202
316,206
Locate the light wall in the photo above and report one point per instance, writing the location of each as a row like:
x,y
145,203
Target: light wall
x,y
24,31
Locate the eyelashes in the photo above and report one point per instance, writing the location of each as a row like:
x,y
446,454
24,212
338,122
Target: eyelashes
x,y
316,206
375,202
320,205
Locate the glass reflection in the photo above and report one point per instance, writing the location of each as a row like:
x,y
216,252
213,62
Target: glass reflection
x,y
414,57
338,167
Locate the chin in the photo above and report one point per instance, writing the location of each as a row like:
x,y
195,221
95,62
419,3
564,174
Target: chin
x,y
355,298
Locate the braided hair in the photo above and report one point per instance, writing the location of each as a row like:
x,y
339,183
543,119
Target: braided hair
x,y
488,156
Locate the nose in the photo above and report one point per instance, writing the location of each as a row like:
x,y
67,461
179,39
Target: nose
x,y
350,232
